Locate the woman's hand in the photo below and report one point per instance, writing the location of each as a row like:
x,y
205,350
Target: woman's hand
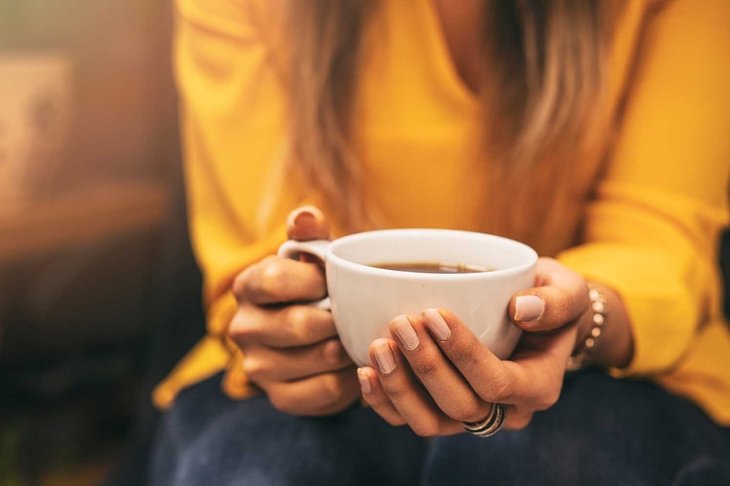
x,y
291,350
435,374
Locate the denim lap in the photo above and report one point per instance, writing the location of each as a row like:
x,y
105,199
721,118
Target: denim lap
x,y
602,431
208,439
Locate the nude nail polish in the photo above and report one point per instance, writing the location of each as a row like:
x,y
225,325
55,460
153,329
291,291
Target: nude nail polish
x,y
528,308
404,332
364,380
384,357
436,323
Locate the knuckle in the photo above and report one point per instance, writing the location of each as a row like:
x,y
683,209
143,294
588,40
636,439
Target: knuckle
x,y
395,391
331,408
500,390
329,352
426,367
240,283
332,388
378,401
519,422
465,353
467,412
273,278
282,403
254,368
582,300
395,421
571,305
548,400
426,428
241,329
297,322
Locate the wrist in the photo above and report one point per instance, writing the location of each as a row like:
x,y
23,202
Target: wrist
x,y
614,346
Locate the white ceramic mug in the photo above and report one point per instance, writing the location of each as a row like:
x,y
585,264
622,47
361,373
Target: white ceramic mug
x,y
364,298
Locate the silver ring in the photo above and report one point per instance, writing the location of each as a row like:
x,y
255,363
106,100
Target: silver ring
x,y
490,425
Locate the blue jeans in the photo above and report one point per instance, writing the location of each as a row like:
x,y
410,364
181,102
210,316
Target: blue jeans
x,y
602,431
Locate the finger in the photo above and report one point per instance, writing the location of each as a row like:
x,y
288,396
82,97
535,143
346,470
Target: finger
x,y
263,364
533,377
293,325
317,395
408,398
517,418
277,280
375,397
307,223
447,387
560,298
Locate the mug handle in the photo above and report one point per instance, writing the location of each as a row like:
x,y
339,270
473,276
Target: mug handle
x,y
293,249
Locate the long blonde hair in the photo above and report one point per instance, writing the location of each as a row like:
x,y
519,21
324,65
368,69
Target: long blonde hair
x,y
546,63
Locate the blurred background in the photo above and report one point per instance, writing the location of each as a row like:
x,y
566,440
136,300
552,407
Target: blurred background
x,y
99,295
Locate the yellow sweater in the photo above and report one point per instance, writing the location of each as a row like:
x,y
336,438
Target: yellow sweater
x,y
650,231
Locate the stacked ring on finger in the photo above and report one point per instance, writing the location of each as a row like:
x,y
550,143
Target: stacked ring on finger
x,y
491,423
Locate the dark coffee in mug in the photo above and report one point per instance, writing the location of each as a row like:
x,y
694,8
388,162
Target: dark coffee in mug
x,y
431,267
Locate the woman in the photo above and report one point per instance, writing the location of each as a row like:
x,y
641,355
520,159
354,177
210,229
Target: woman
x,y
595,132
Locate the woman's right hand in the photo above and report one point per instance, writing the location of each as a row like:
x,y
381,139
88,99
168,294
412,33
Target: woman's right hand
x,y
291,350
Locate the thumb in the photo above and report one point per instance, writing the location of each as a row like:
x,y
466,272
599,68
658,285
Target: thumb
x,y
560,298
307,223
546,308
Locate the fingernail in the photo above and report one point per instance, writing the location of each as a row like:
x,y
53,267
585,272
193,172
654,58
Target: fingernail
x,y
528,308
301,215
384,357
405,332
436,323
364,380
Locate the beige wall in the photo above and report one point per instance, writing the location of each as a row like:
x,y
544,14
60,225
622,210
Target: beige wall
x,y
123,122
79,258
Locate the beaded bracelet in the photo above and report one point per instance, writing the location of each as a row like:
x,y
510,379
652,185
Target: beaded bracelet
x,y
598,306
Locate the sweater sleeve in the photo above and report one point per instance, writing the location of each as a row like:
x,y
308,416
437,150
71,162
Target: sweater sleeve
x,y
232,122
652,231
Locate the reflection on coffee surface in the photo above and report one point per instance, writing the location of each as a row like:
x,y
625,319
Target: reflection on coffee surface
x,y
431,267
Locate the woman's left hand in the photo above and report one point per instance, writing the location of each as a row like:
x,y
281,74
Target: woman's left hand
x,y
435,374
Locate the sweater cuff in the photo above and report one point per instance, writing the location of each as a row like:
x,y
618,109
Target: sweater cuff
x,y
661,310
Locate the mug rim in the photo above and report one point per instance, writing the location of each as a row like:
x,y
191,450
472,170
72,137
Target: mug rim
x,y
331,257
